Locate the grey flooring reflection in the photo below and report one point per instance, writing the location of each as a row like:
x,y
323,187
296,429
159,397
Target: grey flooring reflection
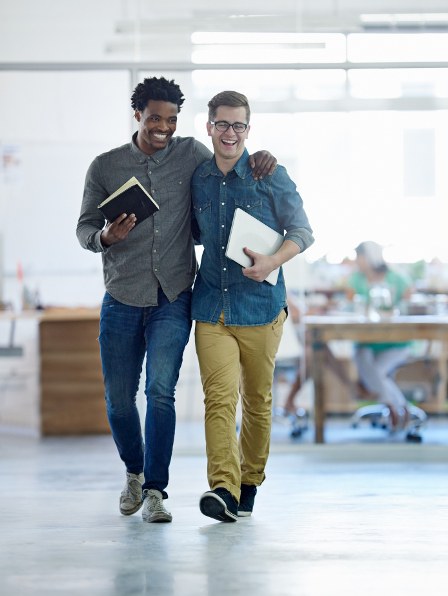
x,y
366,518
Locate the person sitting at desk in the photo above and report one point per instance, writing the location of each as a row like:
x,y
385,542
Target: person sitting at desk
x,y
376,362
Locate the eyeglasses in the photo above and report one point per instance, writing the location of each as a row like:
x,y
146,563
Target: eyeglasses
x,y
222,126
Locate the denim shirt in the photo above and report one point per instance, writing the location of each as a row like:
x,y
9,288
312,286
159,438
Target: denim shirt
x,y
220,285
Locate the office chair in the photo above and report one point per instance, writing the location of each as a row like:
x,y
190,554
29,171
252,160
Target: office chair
x,y
379,414
379,417
297,420
287,364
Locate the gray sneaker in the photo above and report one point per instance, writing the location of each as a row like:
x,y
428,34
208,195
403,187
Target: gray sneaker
x,y
153,509
131,496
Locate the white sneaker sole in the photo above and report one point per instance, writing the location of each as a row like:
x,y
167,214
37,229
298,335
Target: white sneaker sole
x,y
130,511
157,518
213,506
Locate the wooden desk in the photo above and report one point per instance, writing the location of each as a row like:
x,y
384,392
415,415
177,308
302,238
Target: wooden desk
x,y
322,329
50,373
71,381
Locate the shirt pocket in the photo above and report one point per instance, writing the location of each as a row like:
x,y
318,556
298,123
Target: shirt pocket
x,y
173,191
249,198
202,208
201,203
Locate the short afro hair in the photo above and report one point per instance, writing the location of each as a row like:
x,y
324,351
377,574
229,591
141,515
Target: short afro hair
x,y
157,89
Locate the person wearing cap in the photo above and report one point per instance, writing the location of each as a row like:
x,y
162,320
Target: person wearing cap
x,y
374,280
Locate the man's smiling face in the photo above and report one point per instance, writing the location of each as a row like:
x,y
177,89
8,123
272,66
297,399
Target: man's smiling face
x,y
228,145
156,125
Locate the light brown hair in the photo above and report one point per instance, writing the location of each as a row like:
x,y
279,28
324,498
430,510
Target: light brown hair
x,y
232,99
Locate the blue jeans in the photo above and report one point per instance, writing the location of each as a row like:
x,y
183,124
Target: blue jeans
x,y
127,334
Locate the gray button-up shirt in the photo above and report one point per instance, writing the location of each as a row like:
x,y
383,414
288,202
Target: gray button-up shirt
x,y
160,250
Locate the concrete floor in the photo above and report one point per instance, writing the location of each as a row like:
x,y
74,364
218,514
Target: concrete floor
x,y
356,519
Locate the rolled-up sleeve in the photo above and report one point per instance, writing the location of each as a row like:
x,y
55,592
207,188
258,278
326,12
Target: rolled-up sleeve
x,y
288,205
303,237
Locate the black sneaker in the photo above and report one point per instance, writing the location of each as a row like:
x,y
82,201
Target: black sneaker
x,y
247,499
219,504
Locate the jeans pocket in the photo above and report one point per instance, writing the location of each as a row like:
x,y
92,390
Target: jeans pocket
x,y
277,323
108,300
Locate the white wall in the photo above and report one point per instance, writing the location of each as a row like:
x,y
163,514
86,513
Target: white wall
x,y
53,124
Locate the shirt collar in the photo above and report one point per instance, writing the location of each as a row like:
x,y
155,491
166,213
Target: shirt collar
x,y
141,157
242,168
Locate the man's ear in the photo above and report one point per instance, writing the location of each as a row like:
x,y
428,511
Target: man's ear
x,y
137,115
209,129
247,131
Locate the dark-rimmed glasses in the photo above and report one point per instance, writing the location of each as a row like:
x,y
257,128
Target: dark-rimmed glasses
x,y
223,125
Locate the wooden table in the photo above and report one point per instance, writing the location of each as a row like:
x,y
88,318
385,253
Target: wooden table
x,y
50,372
322,329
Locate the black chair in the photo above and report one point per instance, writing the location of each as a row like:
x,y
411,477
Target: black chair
x,y
379,416
287,365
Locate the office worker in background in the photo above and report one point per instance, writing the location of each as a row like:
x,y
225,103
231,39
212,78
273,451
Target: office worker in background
x,y
148,274
239,316
380,287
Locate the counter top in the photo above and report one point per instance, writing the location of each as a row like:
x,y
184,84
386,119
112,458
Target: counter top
x,y
52,314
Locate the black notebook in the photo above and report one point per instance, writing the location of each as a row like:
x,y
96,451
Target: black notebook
x,y
131,197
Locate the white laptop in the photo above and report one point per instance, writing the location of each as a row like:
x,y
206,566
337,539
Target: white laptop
x,y
247,231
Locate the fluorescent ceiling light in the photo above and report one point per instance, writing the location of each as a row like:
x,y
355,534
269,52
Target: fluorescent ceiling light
x,y
417,19
250,16
272,48
231,38
232,55
255,54
398,47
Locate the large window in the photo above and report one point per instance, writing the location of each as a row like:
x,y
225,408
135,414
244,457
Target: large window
x,y
363,173
367,148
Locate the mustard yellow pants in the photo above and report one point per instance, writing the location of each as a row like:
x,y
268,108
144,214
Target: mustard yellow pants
x,y
237,361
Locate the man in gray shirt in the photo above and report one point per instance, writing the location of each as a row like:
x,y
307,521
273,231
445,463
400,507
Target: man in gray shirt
x,y
148,274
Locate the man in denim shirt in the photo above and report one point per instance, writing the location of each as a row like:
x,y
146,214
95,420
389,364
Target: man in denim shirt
x,y
239,315
148,273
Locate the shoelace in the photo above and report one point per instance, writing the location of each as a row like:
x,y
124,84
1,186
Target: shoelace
x,y
156,503
132,488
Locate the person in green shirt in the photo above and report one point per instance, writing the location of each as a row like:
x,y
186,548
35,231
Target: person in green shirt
x,y
382,289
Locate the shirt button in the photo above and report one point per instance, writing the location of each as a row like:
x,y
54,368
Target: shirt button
x,y
248,206
155,269
222,203
224,269
225,289
223,183
155,250
156,231
222,247
149,172
222,226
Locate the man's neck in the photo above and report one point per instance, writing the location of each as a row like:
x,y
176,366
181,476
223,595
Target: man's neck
x,y
144,147
225,165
